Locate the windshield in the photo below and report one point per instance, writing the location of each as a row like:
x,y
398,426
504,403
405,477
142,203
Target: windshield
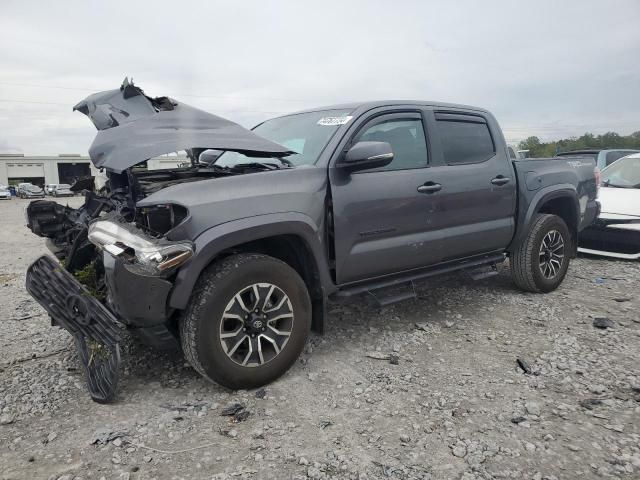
x,y
64,186
306,134
623,173
33,188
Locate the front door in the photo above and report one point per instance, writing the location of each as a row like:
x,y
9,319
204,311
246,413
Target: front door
x,y
380,217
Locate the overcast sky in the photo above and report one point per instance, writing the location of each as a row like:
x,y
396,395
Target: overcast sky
x,y
547,68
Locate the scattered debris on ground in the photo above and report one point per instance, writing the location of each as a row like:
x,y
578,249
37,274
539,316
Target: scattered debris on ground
x,y
602,322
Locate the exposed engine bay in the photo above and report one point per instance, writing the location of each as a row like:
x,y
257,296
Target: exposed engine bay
x,y
67,229
109,237
121,251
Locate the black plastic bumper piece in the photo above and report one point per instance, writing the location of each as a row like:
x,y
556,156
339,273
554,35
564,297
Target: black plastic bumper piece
x,y
139,301
94,328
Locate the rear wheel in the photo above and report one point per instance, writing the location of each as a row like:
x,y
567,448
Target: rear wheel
x,y
540,262
247,321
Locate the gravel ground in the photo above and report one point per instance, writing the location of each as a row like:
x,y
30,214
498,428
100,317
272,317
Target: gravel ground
x,y
456,404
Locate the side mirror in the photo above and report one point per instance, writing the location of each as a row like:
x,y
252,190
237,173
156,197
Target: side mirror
x,y
209,156
366,155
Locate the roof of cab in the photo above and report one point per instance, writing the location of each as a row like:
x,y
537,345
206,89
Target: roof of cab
x,y
387,103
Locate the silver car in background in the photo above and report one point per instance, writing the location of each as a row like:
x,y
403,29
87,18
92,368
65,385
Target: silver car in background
x,y
27,190
62,190
5,193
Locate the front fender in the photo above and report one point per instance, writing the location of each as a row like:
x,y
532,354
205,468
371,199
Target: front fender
x,y
227,235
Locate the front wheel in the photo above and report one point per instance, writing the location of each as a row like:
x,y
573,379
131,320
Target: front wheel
x,y
540,262
247,321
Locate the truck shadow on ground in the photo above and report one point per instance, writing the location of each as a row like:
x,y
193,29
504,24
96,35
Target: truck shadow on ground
x,y
447,290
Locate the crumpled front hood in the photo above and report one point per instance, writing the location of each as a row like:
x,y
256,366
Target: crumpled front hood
x,y
133,128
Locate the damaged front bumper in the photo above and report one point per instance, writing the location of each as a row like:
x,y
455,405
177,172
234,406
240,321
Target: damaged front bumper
x,y
138,301
136,270
93,327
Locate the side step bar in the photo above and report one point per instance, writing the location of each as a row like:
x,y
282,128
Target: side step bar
x,y
482,271
383,301
477,268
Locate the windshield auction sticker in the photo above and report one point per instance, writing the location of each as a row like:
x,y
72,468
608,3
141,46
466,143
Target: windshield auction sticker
x,y
332,121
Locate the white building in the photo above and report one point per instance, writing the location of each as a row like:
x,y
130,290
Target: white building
x,y
41,170
63,168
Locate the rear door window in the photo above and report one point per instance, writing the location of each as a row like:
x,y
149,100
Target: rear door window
x,y
464,141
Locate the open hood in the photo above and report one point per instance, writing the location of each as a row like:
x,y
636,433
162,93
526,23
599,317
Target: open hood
x,y
133,128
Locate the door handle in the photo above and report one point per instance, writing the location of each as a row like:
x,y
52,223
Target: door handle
x,y
429,187
500,180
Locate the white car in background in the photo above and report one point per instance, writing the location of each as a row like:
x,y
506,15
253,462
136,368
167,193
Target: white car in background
x,y
5,193
62,190
616,232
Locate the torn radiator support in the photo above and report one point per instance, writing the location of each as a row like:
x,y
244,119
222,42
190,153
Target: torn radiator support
x,y
65,227
49,219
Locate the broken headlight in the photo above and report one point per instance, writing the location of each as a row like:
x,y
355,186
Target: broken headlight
x,y
158,220
146,256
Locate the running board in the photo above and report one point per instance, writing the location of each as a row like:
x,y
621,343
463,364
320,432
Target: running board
x,y
471,264
384,301
483,271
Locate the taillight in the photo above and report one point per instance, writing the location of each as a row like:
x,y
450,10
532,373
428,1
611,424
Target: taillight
x,y
596,173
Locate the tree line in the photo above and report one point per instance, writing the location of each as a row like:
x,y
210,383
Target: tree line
x,y
588,140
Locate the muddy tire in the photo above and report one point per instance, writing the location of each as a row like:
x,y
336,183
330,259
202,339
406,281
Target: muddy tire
x,y
540,262
247,321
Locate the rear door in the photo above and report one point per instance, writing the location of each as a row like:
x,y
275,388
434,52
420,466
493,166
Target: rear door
x,y
475,209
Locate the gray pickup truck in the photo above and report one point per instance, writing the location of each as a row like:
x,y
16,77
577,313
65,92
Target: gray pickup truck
x,y
236,256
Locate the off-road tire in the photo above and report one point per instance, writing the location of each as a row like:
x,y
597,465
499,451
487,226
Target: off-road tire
x,y
200,324
525,260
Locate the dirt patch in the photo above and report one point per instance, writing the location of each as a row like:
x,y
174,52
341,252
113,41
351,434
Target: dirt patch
x,y
7,277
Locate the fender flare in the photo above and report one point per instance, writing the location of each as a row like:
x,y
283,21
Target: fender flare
x,y
537,201
211,242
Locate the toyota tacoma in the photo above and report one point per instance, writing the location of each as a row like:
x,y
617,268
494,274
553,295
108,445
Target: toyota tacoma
x,y
235,256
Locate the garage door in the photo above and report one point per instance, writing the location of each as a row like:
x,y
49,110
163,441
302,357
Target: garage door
x,y
25,170
70,172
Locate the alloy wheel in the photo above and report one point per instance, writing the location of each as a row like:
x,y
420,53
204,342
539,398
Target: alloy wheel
x,y
256,324
551,255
